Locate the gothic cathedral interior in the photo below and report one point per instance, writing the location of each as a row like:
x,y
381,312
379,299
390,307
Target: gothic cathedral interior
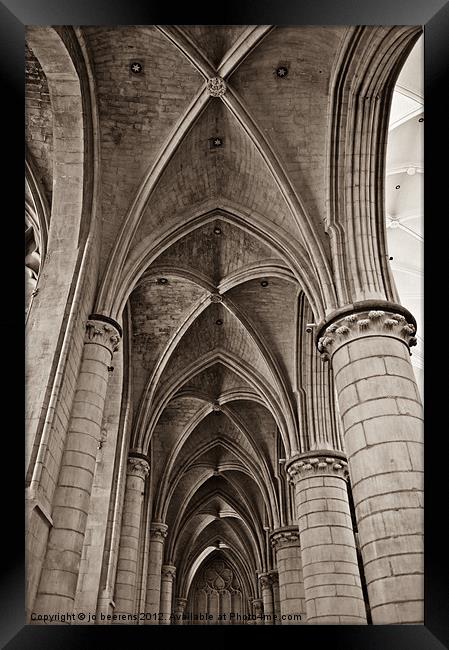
x,y
223,413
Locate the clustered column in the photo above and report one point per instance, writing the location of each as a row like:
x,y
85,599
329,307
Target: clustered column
x,y
168,573
158,533
332,587
381,411
125,587
59,576
285,541
267,598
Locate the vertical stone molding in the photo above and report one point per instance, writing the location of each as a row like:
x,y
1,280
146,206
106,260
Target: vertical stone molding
x,y
180,605
332,586
168,573
258,611
158,533
276,598
126,580
285,541
250,621
267,598
381,412
60,570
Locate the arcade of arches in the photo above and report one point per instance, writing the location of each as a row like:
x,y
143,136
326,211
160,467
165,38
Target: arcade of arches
x,y
223,422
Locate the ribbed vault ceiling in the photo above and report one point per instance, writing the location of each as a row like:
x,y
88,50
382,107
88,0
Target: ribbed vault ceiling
x,y
213,316
207,252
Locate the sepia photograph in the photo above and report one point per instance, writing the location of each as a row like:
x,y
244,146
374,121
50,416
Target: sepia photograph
x,y
224,328
223,376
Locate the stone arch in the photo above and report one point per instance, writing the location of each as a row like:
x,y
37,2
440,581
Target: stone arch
x,y
257,225
55,317
219,584
271,400
361,90
258,472
70,215
60,56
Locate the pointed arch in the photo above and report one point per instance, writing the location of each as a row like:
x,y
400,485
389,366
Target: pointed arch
x,y
188,573
259,472
361,89
144,432
256,540
280,380
149,249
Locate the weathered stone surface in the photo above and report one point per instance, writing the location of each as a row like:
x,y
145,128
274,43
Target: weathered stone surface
x,y
191,197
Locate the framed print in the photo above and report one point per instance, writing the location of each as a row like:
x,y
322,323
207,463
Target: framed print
x,y
224,322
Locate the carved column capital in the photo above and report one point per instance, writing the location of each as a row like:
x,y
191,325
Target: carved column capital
x,y
216,87
257,604
104,331
265,581
138,467
158,531
384,319
180,603
284,537
168,572
317,463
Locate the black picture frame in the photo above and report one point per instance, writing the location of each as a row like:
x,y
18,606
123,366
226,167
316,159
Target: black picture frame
x,y
434,15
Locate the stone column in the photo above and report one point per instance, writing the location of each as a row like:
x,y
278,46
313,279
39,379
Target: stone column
x,y
250,612
258,611
381,411
158,533
267,598
285,541
276,598
332,587
168,573
57,587
180,605
125,584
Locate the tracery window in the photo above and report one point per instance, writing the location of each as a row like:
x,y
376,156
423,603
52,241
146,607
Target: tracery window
x,y
217,592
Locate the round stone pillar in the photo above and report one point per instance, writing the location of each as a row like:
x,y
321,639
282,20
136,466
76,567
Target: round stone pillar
x,y
276,598
285,542
57,587
158,533
168,573
381,410
180,605
125,585
332,587
267,598
258,611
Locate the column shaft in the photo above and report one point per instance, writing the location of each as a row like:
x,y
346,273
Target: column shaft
x,y
180,604
276,598
158,532
125,585
250,620
258,611
332,586
267,598
168,573
291,585
381,412
59,575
